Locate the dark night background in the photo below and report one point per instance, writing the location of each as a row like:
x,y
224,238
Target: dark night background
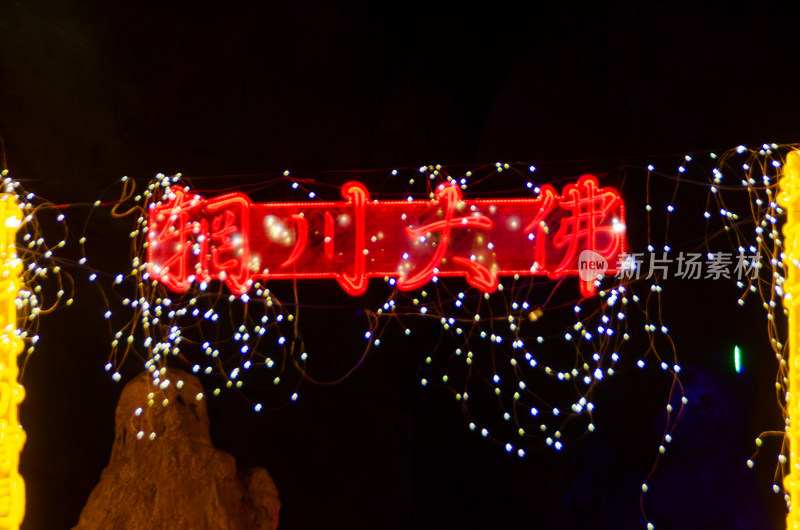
x,y
92,91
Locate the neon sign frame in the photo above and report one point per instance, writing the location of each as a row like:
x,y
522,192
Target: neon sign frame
x,y
228,238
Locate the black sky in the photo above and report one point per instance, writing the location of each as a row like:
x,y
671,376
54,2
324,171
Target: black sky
x,y
92,91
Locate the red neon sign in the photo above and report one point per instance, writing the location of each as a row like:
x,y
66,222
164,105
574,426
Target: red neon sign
x,y
192,239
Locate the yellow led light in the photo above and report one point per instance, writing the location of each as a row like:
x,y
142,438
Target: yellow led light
x,y
789,199
12,437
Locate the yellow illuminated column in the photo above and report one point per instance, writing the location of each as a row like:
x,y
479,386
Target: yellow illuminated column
x,y
12,437
789,199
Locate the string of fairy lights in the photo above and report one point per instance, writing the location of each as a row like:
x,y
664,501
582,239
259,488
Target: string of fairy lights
x,y
32,284
45,285
742,213
524,362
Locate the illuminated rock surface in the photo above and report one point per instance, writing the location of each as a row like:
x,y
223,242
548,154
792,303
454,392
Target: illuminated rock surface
x,y
177,480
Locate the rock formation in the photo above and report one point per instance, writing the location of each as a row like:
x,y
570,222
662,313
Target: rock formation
x,y
165,473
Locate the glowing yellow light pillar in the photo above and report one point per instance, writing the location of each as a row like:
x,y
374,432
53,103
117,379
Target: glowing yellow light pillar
x,y
12,437
789,199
